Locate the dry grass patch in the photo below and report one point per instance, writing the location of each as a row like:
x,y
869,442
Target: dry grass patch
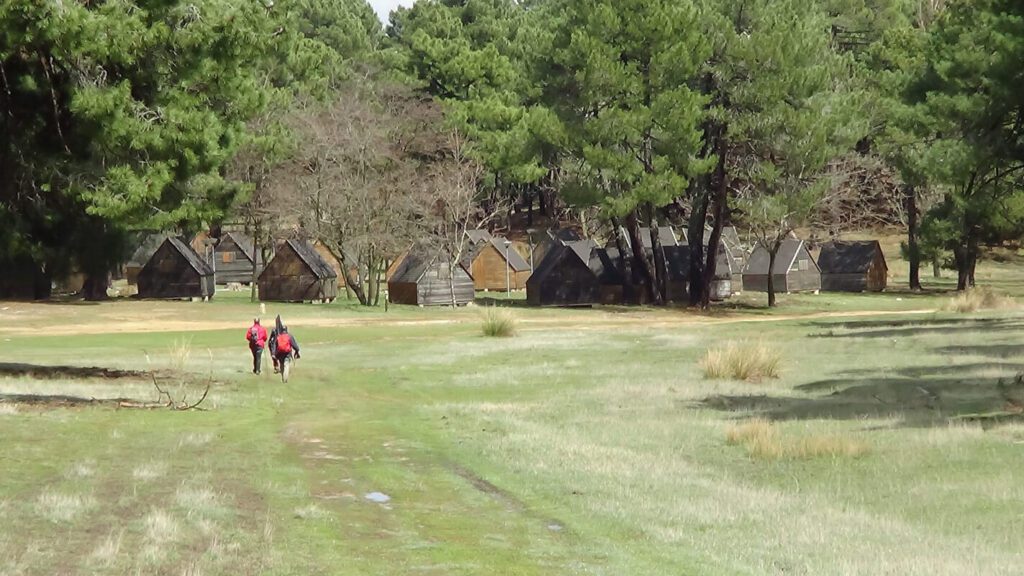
x,y
161,527
498,322
8,409
149,471
107,551
977,299
764,440
58,507
744,360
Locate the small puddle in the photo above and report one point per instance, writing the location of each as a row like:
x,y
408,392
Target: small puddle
x,y
378,497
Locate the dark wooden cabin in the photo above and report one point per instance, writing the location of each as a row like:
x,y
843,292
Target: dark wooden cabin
x,y
297,273
22,278
422,279
233,259
795,269
564,277
853,267
488,262
176,271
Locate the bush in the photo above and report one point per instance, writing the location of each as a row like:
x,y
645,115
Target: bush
x,y
764,441
747,361
498,323
979,299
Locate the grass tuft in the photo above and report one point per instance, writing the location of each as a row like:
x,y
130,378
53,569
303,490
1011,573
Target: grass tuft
x,y
498,323
764,441
179,353
8,409
57,507
746,361
977,299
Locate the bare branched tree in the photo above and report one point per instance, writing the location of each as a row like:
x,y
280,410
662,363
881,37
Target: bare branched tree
x,y
360,178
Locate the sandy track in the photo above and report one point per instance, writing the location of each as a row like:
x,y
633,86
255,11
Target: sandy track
x,y
24,326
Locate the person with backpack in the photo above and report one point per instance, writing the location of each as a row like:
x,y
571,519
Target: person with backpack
x,y
284,346
256,336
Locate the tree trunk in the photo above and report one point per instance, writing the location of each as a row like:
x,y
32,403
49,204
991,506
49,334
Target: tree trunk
x,y
720,202
936,268
350,280
95,286
695,236
451,283
628,287
772,253
640,255
253,294
913,248
963,267
660,269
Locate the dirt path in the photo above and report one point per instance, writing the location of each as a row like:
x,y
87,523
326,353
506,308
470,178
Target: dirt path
x,y
127,324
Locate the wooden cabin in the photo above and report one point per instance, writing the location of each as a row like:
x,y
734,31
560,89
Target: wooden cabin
x,y
145,248
551,238
297,273
666,235
22,278
795,270
853,267
423,279
176,271
495,266
564,277
233,259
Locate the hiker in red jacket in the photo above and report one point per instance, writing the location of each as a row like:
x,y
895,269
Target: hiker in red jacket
x,y
257,338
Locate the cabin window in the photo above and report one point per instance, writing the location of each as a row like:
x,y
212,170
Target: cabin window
x,y
227,257
803,264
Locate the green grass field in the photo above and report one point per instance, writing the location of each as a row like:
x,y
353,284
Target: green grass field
x,y
589,443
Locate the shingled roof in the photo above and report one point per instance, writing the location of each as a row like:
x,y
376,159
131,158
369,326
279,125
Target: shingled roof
x,y
202,267
312,259
515,260
243,242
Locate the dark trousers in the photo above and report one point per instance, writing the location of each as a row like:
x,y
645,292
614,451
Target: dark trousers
x,y
257,359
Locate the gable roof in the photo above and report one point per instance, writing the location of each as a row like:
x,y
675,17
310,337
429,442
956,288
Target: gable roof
x,y
148,245
312,259
416,263
757,263
564,235
515,260
478,235
202,267
582,248
849,257
666,235
243,242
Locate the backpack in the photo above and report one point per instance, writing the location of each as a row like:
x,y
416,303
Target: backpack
x,y
254,334
284,344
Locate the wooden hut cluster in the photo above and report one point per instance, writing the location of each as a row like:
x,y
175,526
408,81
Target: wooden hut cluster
x,y
842,266
581,273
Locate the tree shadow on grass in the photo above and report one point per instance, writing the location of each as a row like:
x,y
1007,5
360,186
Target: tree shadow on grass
x,y
919,399
914,327
986,350
42,372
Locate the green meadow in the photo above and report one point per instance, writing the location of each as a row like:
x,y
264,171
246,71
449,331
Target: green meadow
x,y
590,442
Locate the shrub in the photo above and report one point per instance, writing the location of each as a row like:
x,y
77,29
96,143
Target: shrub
x,y
748,361
759,436
979,299
764,440
498,323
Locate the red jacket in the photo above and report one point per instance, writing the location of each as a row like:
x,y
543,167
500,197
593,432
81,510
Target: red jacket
x,y
256,335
